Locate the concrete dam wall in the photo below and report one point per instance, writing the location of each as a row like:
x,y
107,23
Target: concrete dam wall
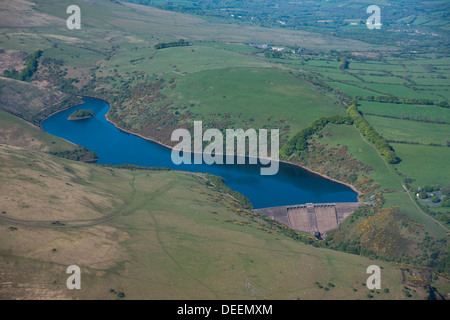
x,y
315,219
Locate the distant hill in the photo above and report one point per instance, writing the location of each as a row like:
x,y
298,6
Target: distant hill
x,y
411,23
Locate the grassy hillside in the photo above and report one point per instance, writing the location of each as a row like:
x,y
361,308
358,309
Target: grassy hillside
x,y
17,132
31,102
155,235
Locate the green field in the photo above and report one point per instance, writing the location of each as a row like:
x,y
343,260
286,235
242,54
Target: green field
x,y
340,76
411,131
399,90
425,164
402,200
351,89
259,98
420,77
406,111
181,60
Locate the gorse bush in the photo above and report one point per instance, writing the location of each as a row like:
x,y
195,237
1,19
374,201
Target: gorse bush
x,y
79,154
219,185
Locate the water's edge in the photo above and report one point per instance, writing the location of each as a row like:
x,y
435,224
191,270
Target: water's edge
x,y
283,161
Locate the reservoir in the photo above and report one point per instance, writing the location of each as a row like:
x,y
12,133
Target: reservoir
x,y
291,185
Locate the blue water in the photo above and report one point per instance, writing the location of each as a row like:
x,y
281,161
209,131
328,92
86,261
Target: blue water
x,y
291,185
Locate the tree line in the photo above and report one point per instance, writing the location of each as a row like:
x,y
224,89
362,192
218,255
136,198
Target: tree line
x,y
374,137
273,54
179,43
397,100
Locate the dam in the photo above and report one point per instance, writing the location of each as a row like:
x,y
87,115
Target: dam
x,y
316,219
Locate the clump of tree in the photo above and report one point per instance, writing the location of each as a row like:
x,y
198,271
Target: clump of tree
x,y
430,188
26,73
79,154
119,294
369,132
387,99
422,101
443,104
299,141
273,54
179,43
445,190
344,64
423,195
435,199
81,114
